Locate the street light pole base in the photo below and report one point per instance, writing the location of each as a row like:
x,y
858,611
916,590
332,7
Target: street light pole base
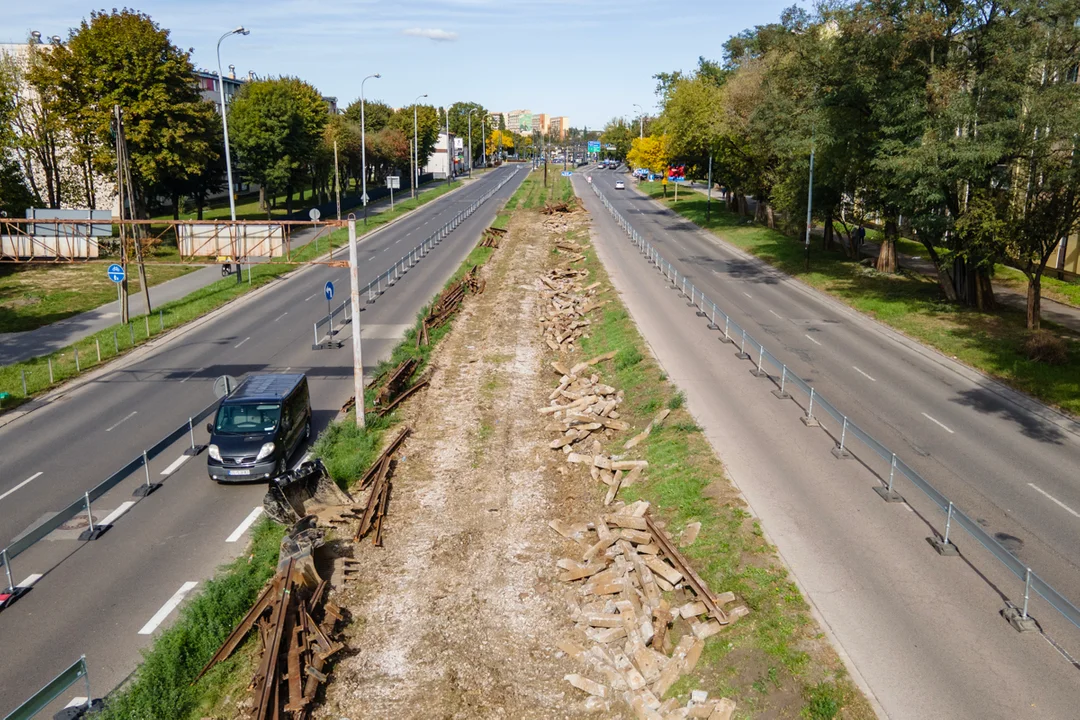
x,y
942,547
1018,621
888,495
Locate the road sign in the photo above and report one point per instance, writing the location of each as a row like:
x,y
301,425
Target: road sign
x,y
224,386
328,290
393,182
652,176
364,198
567,173
115,273
594,146
314,214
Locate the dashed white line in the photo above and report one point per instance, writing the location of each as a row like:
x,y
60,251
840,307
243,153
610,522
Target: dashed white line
x,y
29,581
1053,499
167,608
812,340
938,422
27,481
864,374
242,342
311,296
176,465
281,316
130,415
115,514
775,313
748,295
190,375
242,528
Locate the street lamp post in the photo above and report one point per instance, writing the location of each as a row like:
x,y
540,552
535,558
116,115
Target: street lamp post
x,y
809,200
228,160
483,135
470,141
449,150
363,146
416,147
641,121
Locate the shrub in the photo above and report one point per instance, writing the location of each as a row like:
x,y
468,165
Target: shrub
x,y
1044,346
627,357
677,401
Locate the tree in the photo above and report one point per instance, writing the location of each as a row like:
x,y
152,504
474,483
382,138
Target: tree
x,y
377,114
276,126
124,58
459,125
428,127
15,196
617,133
650,152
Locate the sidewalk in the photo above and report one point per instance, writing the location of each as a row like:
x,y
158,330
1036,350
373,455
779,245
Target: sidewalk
x,y
1053,311
16,347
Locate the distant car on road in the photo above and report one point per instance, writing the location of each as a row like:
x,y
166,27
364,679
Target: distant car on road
x,y
620,185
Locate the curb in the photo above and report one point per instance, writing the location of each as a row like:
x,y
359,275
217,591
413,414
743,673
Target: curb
x,y
168,336
1056,417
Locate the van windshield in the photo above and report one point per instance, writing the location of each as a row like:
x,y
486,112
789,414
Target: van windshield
x,y
249,418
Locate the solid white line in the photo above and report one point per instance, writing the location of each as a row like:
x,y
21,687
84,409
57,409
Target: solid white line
x,y
167,608
132,414
939,423
115,514
748,295
1054,499
242,528
190,375
774,313
281,316
27,481
812,340
76,702
864,374
29,581
242,342
308,298
176,464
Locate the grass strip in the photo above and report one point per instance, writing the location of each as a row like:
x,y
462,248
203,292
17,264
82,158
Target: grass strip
x,y
991,342
105,345
774,662
161,687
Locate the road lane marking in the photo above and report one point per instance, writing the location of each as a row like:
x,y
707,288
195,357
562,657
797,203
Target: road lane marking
x,y
242,528
190,375
281,316
774,313
864,374
748,295
115,514
945,427
29,581
1053,499
167,608
27,481
812,340
311,296
242,342
130,415
176,465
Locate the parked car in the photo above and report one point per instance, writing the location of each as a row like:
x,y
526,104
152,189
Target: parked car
x,y
620,185
258,428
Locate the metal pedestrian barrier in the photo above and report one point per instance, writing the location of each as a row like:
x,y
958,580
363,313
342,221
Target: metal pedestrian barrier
x,y
818,406
46,695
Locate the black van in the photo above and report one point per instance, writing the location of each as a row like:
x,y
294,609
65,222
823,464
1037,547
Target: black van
x,y
259,427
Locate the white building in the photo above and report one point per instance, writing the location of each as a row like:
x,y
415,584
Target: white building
x,y
441,162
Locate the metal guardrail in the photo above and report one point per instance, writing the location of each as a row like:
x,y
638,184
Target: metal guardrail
x,y
753,350
395,272
83,503
41,699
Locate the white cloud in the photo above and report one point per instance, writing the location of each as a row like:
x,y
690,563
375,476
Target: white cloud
x,y
432,33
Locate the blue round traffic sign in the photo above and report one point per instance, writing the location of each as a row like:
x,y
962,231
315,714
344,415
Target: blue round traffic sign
x,y
115,273
328,290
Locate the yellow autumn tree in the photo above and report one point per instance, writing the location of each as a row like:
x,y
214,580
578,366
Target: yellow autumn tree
x,y
500,140
652,153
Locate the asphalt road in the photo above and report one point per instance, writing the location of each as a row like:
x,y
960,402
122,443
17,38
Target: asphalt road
x,y
921,631
95,597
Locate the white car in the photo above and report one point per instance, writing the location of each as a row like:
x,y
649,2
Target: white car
x,y
620,185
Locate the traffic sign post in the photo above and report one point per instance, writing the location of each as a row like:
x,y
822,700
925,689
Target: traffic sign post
x,y
328,291
394,183
116,274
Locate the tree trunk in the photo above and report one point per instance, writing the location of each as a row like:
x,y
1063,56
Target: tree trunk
x,y
759,210
827,232
1034,301
886,261
262,199
200,199
770,217
288,200
175,206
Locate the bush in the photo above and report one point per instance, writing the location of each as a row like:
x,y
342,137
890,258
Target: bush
x,y
677,400
1044,346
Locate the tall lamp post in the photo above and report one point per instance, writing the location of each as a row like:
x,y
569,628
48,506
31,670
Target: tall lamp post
x,y
416,147
363,146
225,127
483,135
641,121
470,141
449,150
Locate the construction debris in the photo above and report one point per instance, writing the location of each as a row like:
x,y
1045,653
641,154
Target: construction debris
x,y
378,479
302,492
552,208
627,564
297,626
448,303
568,303
492,237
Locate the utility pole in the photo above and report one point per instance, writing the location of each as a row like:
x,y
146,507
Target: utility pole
x,y
122,287
483,137
337,184
708,201
809,200
354,302
125,165
449,148
543,156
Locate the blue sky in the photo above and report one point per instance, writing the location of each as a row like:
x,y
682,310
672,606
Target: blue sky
x,y
586,59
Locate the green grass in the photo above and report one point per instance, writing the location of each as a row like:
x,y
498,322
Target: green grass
x,y
909,302
37,294
777,645
161,687
119,339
